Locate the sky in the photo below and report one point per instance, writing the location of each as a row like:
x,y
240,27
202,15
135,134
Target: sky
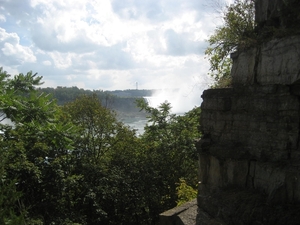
x,y
109,44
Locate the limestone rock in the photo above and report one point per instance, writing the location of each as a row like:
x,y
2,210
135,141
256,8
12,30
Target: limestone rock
x,y
274,62
249,155
279,62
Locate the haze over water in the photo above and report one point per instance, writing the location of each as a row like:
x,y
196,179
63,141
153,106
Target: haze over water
x,y
181,102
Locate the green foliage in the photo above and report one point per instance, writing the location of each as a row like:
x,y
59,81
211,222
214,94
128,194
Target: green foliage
x,y
236,32
13,93
35,146
122,102
170,147
185,192
78,164
108,98
98,127
11,212
65,95
107,157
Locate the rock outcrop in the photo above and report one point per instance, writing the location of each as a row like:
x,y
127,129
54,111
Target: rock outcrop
x,y
249,155
273,62
185,214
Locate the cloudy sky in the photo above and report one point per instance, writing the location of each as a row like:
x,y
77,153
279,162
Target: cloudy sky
x,y
108,44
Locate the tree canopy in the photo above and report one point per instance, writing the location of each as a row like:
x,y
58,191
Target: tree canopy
x,y
237,31
77,164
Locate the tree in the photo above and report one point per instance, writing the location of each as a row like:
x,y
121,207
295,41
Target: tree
x,y
35,150
11,211
237,31
169,146
185,192
12,92
79,164
101,149
98,127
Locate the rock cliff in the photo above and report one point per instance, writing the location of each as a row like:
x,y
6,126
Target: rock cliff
x,y
249,155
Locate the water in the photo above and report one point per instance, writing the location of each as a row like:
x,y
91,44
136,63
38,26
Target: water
x,y
181,100
137,124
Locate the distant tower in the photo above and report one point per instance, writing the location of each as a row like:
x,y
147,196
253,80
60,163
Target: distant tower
x,y
136,85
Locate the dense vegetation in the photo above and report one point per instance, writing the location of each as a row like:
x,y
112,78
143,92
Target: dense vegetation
x,y
237,30
120,101
77,164
68,94
109,99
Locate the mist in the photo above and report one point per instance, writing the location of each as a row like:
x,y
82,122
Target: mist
x,y
182,100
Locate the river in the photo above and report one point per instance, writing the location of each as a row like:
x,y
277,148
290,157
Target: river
x,y
139,123
136,123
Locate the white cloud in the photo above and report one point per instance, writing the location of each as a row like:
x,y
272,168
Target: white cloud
x,y
2,18
47,63
81,27
12,52
9,37
108,44
62,60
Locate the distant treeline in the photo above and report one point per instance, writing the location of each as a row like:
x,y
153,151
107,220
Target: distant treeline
x,y
121,101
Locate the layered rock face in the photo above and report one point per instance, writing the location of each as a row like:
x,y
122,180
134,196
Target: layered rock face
x,y
249,155
273,62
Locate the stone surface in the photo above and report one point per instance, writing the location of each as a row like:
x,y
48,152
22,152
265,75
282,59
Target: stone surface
x,y
185,214
241,206
251,122
279,61
274,62
188,214
267,10
277,13
249,155
243,68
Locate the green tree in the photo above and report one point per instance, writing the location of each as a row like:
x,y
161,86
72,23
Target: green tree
x,y
36,149
102,147
79,164
129,178
11,210
237,31
185,192
12,92
98,126
169,146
